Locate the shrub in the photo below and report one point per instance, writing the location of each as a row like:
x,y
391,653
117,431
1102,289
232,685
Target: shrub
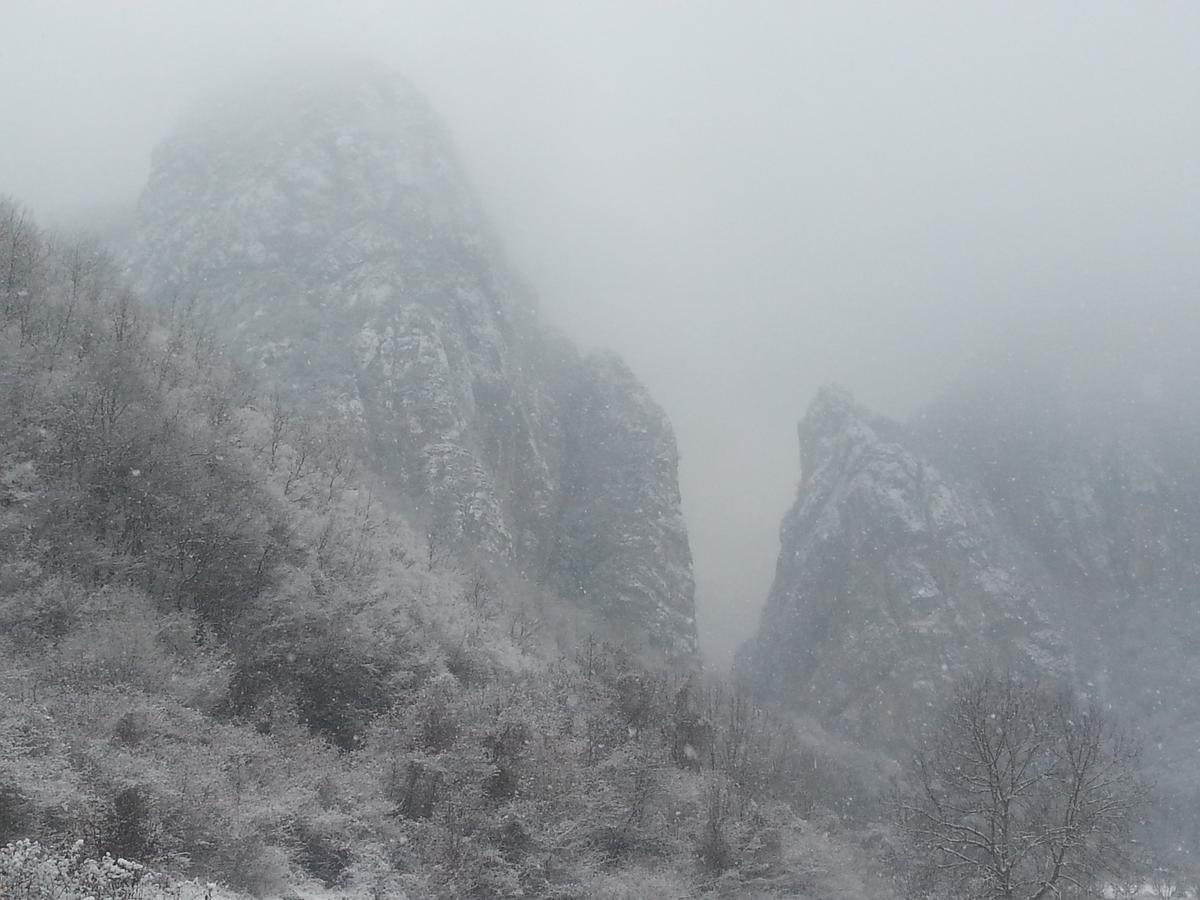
x,y
323,849
16,812
33,872
127,826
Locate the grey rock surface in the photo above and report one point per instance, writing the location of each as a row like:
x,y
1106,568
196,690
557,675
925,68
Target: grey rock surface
x,y
1046,530
325,224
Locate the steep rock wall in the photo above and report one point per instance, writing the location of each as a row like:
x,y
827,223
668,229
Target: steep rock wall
x,y
325,225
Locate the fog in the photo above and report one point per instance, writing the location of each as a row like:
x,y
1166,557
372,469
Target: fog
x,y
745,200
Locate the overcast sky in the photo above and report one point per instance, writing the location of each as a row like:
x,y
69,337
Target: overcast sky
x,y
745,199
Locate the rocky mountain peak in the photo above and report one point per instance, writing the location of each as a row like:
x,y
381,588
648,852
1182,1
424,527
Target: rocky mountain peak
x,y
342,177
892,578
1058,537
325,224
833,424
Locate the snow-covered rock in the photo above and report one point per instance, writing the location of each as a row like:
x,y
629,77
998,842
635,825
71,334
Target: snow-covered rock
x,y
325,223
1021,522
893,577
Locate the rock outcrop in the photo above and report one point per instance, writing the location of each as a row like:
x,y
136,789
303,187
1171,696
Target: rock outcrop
x,y
893,577
326,226
1009,527
623,547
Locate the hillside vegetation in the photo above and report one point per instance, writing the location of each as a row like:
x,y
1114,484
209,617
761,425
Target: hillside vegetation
x,y
226,653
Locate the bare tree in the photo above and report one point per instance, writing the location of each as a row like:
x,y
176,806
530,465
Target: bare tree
x,y
1165,886
22,255
1022,794
339,461
525,627
479,593
303,461
280,419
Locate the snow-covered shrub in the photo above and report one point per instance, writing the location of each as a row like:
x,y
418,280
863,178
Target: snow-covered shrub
x,y
33,872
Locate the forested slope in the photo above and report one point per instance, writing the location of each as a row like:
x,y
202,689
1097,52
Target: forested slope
x,y
221,655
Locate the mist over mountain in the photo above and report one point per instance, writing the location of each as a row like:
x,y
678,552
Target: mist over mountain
x,y
1042,517
329,571
326,226
391,475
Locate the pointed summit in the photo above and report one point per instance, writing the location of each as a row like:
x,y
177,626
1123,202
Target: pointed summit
x,y
316,183
833,423
324,223
891,580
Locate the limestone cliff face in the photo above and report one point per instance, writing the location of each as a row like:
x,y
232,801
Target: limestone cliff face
x,y
1043,528
893,577
621,527
325,224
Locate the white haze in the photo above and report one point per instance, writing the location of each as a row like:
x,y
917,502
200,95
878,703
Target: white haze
x,y
744,199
